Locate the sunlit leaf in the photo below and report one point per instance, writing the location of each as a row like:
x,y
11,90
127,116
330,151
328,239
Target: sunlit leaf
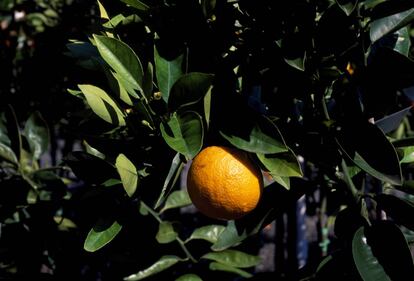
x,y
177,199
103,105
184,133
228,268
281,164
162,264
233,258
128,173
189,277
209,233
166,233
98,238
389,24
123,61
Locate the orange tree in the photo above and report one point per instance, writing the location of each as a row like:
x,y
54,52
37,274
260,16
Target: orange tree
x,y
327,82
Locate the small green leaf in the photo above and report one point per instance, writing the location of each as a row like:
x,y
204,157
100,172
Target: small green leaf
x,y
209,233
37,134
103,105
227,268
166,233
189,277
189,89
367,264
102,11
233,258
390,24
147,83
167,72
162,264
185,134
403,43
207,106
98,238
128,173
137,4
120,19
123,61
177,199
283,181
111,182
93,151
408,153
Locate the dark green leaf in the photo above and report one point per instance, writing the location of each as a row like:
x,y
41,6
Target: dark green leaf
x,y
189,277
136,4
93,151
89,168
7,153
390,24
373,153
162,264
403,43
177,199
120,19
388,242
111,182
37,134
97,238
184,133
166,233
208,7
123,61
263,137
209,233
227,268
167,72
189,89
103,105
147,83
128,173
391,122
401,210
367,264
10,131
233,258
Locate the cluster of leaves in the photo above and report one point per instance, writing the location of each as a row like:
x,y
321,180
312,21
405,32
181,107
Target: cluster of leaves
x,y
327,80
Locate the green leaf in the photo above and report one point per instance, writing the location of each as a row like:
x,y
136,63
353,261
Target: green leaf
x,y
408,153
166,233
403,43
7,154
189,89
373,153
283,181
391,122
111,182
282,164
102,11
167,72
173,174
233,258
390,24
137,4
37,134
189,277
177,199
209,233
184,133
120,19
93,151
97,238
367,264
298,63
399,209
229,237
162,264
123,61
347,6
256,141
128,173
207,106
10,131
103,105
227,268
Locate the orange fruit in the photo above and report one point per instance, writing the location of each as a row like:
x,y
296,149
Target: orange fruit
x,y
223,183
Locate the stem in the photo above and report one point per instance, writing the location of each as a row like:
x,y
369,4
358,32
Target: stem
x,y
349,183
184,248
